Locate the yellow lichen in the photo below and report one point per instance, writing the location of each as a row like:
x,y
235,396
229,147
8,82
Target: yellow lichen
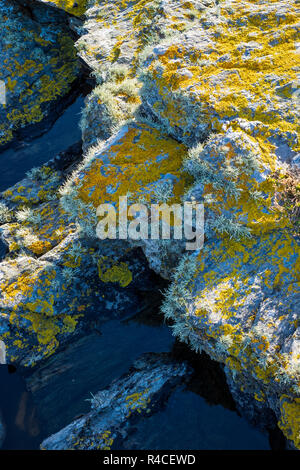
x,y
76,7
118,272
290,419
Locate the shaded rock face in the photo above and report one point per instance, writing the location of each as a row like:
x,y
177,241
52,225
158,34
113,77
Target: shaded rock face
x,y
210,91
116,409
39,67
50,302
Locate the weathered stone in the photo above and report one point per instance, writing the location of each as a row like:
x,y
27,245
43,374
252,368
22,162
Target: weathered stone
x,y
54,282
239,302
76,8
210,90
139,393
39,66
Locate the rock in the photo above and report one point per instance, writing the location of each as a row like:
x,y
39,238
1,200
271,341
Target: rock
x,y
108,107
74,7
39,67
133,162
242,309
138,394
222,91
194,101
45,302
113,41
139,162
47,297
233,103
290,418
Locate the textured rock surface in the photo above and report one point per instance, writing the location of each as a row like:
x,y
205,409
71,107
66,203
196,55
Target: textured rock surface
x,y
39,65
209,93
240,303
52,276
116,409
76,8
47,300
224,74
138,162
113,42
238,69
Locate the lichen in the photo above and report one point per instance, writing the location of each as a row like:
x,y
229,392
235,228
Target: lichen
x,y
36,71
75,7
290,419
118,272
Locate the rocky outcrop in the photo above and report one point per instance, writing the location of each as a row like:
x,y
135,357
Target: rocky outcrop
x,y
222,80
39,68
115,410
55,281
114,40
241,307
239,299
47,301
195,101
138,162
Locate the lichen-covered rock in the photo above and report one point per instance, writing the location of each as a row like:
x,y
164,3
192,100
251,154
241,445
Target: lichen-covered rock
x,y
244,289
135,162
290,418
54,283
239,301
238,69
38,65
117,31
35,222
139,393
195,101
113,42
235,76
45,302
109,106
75,7
231,83
138,162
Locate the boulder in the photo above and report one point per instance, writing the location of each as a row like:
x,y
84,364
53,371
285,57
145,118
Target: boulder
x,y
116,409
39,69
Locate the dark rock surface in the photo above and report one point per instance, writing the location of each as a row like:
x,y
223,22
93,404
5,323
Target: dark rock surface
x,y
116,409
